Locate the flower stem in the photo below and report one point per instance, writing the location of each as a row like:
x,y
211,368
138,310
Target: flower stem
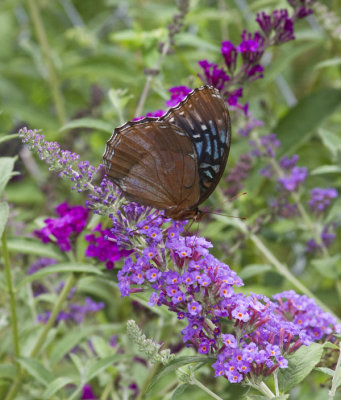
x,y
336,377
149,80
11,299
41,339
52,76
194,381
62,297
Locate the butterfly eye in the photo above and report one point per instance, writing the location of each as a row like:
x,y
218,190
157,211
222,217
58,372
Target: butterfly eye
x,y
174,162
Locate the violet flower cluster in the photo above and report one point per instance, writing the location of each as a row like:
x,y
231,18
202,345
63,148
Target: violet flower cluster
x,y
249,335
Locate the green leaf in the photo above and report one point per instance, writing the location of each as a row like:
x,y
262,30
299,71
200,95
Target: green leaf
x,y
8,137
100,366
328,266
332,62
177,363
331,141
78,363
326,169
301,121
4,212
60,268
33,246
36,369
6,168
55,385
326,371
74,337
300,365
88,123
8,371
192,40
254,269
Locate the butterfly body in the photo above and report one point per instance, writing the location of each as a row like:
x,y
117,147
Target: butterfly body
x,y
174,162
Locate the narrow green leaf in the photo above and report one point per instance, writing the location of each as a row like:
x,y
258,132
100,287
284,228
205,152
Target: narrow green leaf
x,y
8,137
254,269
331,141
33,246
8,371
328,266
4,212
56,385
326,169
301,121
177,363
59,268
36,369
326,371
100,366
6,169
77,362
332,62
300,365
88,123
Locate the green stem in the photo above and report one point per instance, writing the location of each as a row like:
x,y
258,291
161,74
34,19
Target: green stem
x,y
302,210
11,299
149,80
336,377
194,381
41,339
284,271
52,76
62,297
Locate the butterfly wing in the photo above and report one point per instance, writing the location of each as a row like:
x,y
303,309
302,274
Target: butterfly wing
x,y
203,114
154,163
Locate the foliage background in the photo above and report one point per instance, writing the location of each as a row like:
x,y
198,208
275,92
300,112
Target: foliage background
x,y
63,70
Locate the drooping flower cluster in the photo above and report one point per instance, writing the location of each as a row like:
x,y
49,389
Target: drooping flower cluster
x,y
67,163
189,281
71,221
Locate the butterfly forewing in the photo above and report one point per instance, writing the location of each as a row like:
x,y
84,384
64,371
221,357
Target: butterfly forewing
x,y
203,114
154,163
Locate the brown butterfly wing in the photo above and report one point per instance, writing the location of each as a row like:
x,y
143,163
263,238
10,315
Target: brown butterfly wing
x,y
154,163
204,116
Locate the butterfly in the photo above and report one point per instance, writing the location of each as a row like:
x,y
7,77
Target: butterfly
x,y
174,162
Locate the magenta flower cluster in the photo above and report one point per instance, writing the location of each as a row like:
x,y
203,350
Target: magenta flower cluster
x,y
242,61
104,247
71,221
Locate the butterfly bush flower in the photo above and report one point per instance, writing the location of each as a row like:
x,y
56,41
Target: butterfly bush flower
x,y
71,221
243,60
87,393
320,199
103,247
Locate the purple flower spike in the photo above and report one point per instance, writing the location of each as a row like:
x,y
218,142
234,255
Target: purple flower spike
x,y
178,93
213,75
229,52
72,220
278,23
87,393
292,181
320,199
